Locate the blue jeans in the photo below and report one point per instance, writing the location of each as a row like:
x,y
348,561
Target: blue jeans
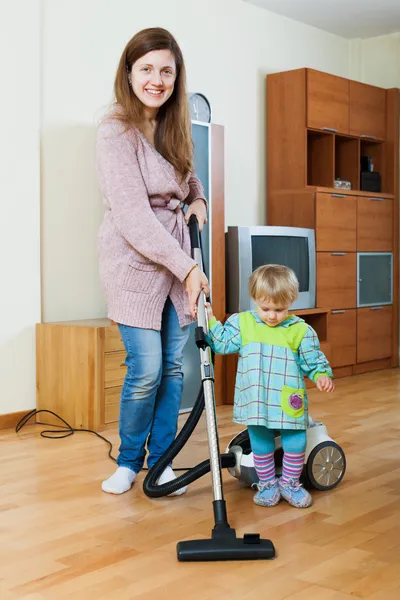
x,y
152,390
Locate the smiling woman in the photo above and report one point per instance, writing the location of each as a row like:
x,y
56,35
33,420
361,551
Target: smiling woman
x,y
150,281
150,90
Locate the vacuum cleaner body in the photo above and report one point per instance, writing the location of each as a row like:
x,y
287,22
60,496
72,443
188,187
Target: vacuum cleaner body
x,y
324,463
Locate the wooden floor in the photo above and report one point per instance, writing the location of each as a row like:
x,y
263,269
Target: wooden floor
x,y
62,538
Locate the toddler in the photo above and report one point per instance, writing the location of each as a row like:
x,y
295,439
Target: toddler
x,y
275,350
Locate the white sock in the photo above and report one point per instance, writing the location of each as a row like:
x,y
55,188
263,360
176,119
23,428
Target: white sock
x,y
120,482
168,475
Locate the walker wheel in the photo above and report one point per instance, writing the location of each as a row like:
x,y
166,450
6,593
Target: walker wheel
x,y
325,467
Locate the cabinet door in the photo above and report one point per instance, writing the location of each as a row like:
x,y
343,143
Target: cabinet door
x,y
336,222
374,333
374,224
343,337
367,110
336,280
327,102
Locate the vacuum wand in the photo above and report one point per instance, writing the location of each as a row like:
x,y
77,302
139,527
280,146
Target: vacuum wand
x,y
207,377
223,545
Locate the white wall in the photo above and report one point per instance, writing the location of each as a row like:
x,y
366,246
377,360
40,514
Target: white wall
x,y
19,201
376,60
228,45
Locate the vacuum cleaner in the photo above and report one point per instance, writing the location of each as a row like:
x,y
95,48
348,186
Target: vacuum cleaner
x,y
324,467
223,543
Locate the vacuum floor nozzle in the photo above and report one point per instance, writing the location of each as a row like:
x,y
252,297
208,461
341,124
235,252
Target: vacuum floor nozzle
x,y
224,545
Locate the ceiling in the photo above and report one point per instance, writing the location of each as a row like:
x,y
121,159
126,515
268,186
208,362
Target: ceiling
x,y
347,18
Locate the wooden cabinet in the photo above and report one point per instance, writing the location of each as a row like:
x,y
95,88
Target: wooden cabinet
x,y
318,130
336,222
374,333
367,111
343,337
374,224
327,102
80,371
336,279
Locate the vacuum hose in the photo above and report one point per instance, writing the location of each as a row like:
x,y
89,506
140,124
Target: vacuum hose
x,y
150,486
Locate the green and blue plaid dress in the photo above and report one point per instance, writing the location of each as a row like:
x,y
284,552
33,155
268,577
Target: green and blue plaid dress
x,y
270,388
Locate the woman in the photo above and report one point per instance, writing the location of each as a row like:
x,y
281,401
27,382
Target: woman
x,y
151,285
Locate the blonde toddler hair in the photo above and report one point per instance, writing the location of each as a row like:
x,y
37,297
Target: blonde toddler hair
x,y
276,283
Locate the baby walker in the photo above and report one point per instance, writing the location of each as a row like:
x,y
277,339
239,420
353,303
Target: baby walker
x,y
324,467
324,463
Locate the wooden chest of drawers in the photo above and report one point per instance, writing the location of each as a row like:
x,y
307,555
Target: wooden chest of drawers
x,y
79,372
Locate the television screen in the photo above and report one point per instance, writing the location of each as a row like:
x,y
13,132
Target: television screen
x,y
283,250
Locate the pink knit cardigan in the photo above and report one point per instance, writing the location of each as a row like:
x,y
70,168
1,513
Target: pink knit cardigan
x,y
144,244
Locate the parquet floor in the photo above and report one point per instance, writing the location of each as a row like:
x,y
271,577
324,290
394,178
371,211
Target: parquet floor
x,y
62,538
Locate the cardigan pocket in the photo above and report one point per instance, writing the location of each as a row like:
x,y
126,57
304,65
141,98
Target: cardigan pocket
x,y
292,401
140,277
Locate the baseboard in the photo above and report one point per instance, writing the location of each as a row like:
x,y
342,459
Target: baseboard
x,y
10,420
374,365
339,372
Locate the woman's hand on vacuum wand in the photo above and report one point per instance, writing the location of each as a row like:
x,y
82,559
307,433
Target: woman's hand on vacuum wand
x,y
198,208
196,282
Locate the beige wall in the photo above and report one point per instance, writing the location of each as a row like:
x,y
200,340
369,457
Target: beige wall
x,y
376,60
19,201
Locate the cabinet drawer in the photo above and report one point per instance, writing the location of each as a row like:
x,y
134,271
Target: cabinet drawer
x,y
112,398
328,99
112,339
336,222
367,110
336,279
374,333
343,337
114,369
374,224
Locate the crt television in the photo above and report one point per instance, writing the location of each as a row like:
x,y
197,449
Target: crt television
x,y
250,247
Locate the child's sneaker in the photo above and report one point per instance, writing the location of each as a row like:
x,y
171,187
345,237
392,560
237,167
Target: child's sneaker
x,y
268,493
294,493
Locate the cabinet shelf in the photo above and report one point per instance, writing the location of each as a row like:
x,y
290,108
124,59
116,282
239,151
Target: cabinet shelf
x,y
317,318
331,156
347,160
320,158
332,190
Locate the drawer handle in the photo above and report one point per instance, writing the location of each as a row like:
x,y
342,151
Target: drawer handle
x,y
377,199
369,137
376,308
338,254
330,129
338,312
338,195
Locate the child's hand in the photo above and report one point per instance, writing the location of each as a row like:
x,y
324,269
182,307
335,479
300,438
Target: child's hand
x,y
325,384
208,308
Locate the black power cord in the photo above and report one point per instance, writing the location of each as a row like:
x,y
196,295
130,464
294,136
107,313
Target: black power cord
x,y
54,434
64,432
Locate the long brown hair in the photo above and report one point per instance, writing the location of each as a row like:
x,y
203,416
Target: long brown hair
x,y
173,138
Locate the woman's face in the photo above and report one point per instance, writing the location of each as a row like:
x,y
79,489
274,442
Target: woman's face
x,y
153,78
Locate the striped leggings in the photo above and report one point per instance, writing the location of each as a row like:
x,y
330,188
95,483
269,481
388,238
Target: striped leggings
x,y
262,442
